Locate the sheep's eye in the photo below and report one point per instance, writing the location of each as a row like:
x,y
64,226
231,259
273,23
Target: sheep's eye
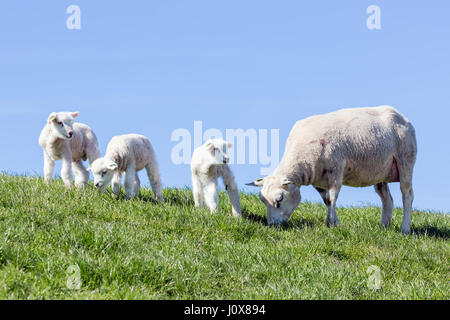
x,y
103,172
279,198
59,123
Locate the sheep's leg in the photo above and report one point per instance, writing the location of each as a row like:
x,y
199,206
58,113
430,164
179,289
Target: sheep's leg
x,y
155,179
329,197
137,185
197,190
232,189
115,182
130,176
66,170
211,195
382,189
407,197
332,219
81,174
49,165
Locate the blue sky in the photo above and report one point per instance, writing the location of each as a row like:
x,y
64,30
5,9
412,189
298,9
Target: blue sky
x,y
151,67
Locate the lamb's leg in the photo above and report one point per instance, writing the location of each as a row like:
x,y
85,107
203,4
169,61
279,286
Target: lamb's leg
x,y
81,174
407,197
197,190
49,164
115,182
130,176
329,197
137,185
232,190
155,179
211,195
382,189
66,170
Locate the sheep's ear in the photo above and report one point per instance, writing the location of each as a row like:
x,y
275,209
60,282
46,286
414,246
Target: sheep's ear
x,y
75,114
256,183
89,168
286,182
51,117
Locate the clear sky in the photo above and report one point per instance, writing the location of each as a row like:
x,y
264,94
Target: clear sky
x,y
152,67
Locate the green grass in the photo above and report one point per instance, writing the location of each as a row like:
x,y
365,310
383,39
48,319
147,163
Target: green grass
x,y
143,250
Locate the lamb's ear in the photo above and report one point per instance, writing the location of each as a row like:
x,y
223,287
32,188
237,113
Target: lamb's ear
x,y
75,114
286,182
51,117
111,165
89,168
209,144
256,183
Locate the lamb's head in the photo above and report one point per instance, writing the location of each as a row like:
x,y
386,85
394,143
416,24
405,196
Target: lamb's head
x,y
61,124
280,196
103,172
217,148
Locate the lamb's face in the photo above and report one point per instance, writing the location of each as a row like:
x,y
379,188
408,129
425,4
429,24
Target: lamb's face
x,y
280,196
217,149
62,124
103,171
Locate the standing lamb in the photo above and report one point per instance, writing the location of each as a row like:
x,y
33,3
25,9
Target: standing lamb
x,y
72,142
127,153
354,147
209,162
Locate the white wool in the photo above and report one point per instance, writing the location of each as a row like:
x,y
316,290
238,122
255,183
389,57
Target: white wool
x,y
127,154
356,147
209,162
62,139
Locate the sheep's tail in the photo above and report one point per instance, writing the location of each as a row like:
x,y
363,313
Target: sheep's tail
x,y
154,177
93,151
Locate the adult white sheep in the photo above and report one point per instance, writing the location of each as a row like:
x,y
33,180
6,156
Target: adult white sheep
x,y
355,147
209,162
72,142
127,154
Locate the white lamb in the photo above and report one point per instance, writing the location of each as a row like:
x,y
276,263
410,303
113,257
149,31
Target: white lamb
x,y
209,162
72,142
355,147
127,154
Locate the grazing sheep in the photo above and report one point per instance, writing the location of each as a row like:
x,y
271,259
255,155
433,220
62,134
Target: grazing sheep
x,y
127,153
354,147
72,142
209,162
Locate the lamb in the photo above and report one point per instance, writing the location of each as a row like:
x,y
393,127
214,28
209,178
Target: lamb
x,y
355,147
127,153
61,138
209,162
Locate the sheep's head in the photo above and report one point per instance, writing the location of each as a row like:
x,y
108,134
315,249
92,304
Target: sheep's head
x,y
62,124
218,150
103,171
280,196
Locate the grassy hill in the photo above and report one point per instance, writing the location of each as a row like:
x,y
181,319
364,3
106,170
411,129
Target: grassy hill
x,y
143,250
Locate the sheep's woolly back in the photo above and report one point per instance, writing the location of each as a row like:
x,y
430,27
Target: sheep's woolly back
x,y
131,149
83,145
364,140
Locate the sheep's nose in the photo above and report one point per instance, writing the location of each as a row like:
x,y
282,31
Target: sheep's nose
x,y
70,134
97,184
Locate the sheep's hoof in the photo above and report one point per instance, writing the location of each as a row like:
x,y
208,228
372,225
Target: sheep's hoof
x,y
331,224
406,230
